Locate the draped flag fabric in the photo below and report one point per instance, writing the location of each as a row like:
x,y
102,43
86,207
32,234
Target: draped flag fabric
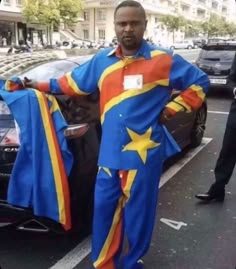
x,y
39,177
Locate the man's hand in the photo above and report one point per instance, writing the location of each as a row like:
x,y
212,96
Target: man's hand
x,y
165,116
29,83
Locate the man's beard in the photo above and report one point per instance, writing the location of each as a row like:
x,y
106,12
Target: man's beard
x,y
129,45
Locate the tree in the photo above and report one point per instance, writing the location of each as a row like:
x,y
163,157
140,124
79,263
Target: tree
x,y
230,29
173,23
214,26
192,29
51,12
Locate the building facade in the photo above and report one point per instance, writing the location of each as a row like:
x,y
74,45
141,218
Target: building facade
x,y
13,28
97,16
97,19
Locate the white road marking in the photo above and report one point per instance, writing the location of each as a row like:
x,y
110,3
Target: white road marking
x,y
173,223
76,255
217,112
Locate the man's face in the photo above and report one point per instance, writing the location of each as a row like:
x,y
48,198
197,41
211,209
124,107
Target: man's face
x,y
130,25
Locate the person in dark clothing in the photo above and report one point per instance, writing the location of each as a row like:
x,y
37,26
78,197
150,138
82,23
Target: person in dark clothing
x,y
227,158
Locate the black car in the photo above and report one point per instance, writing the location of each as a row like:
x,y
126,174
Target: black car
x,y
199,43
217,60
186,128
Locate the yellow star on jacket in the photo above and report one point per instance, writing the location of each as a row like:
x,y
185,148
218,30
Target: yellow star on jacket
x,y
140,143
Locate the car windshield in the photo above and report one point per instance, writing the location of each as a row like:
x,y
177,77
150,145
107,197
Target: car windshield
x,y
53,69
218,54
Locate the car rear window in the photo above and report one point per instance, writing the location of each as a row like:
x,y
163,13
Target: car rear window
x,y
216,53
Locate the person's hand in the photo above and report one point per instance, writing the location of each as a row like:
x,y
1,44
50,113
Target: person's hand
x,y
29,83
164,116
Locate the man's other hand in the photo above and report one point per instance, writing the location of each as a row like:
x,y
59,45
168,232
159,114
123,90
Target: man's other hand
x,y
29,83
164,116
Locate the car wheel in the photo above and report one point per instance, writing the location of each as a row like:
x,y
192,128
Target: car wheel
x,y
172,47
198,127
189,47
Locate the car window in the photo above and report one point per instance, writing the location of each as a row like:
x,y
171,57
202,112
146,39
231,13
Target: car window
x,y
53,69
217,55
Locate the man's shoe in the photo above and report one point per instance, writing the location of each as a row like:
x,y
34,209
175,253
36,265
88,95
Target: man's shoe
x,y
210,197
140,263
215,193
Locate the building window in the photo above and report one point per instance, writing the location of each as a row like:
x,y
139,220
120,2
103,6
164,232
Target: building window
x,y
101,34
6,2
185,8
214,5
201,13
86,15
19,2
101,14
86,34
224,10
202,1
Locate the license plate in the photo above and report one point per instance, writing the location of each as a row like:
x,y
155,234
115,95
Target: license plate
x,y
218,81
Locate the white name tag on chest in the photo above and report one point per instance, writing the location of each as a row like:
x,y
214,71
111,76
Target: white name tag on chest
x,y
134,82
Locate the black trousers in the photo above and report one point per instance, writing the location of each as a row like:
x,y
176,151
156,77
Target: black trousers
x,y
227,158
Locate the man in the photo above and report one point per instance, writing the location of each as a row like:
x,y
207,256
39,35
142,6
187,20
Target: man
x,y
227,158
135,81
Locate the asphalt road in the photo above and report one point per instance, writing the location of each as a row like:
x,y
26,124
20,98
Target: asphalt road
x,y
190,55
187,234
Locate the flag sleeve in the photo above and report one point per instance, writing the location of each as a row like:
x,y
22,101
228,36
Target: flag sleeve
x,y
191,82
82,80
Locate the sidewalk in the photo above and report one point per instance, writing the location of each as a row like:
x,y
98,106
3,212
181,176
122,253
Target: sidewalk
x,y
3,51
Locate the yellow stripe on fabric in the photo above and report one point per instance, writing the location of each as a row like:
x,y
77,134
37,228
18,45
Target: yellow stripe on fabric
x,y
174,106
8,85
110,235
109,70
181,101
198,90
124,62
157,52
53,155
54,106
73,85
130,93
129,182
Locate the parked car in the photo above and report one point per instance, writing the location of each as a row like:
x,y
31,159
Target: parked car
x,y
215,40
217,61
184,44
199,43
186,128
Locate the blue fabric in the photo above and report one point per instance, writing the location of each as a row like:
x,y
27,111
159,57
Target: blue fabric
x,y
134,109
32,182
